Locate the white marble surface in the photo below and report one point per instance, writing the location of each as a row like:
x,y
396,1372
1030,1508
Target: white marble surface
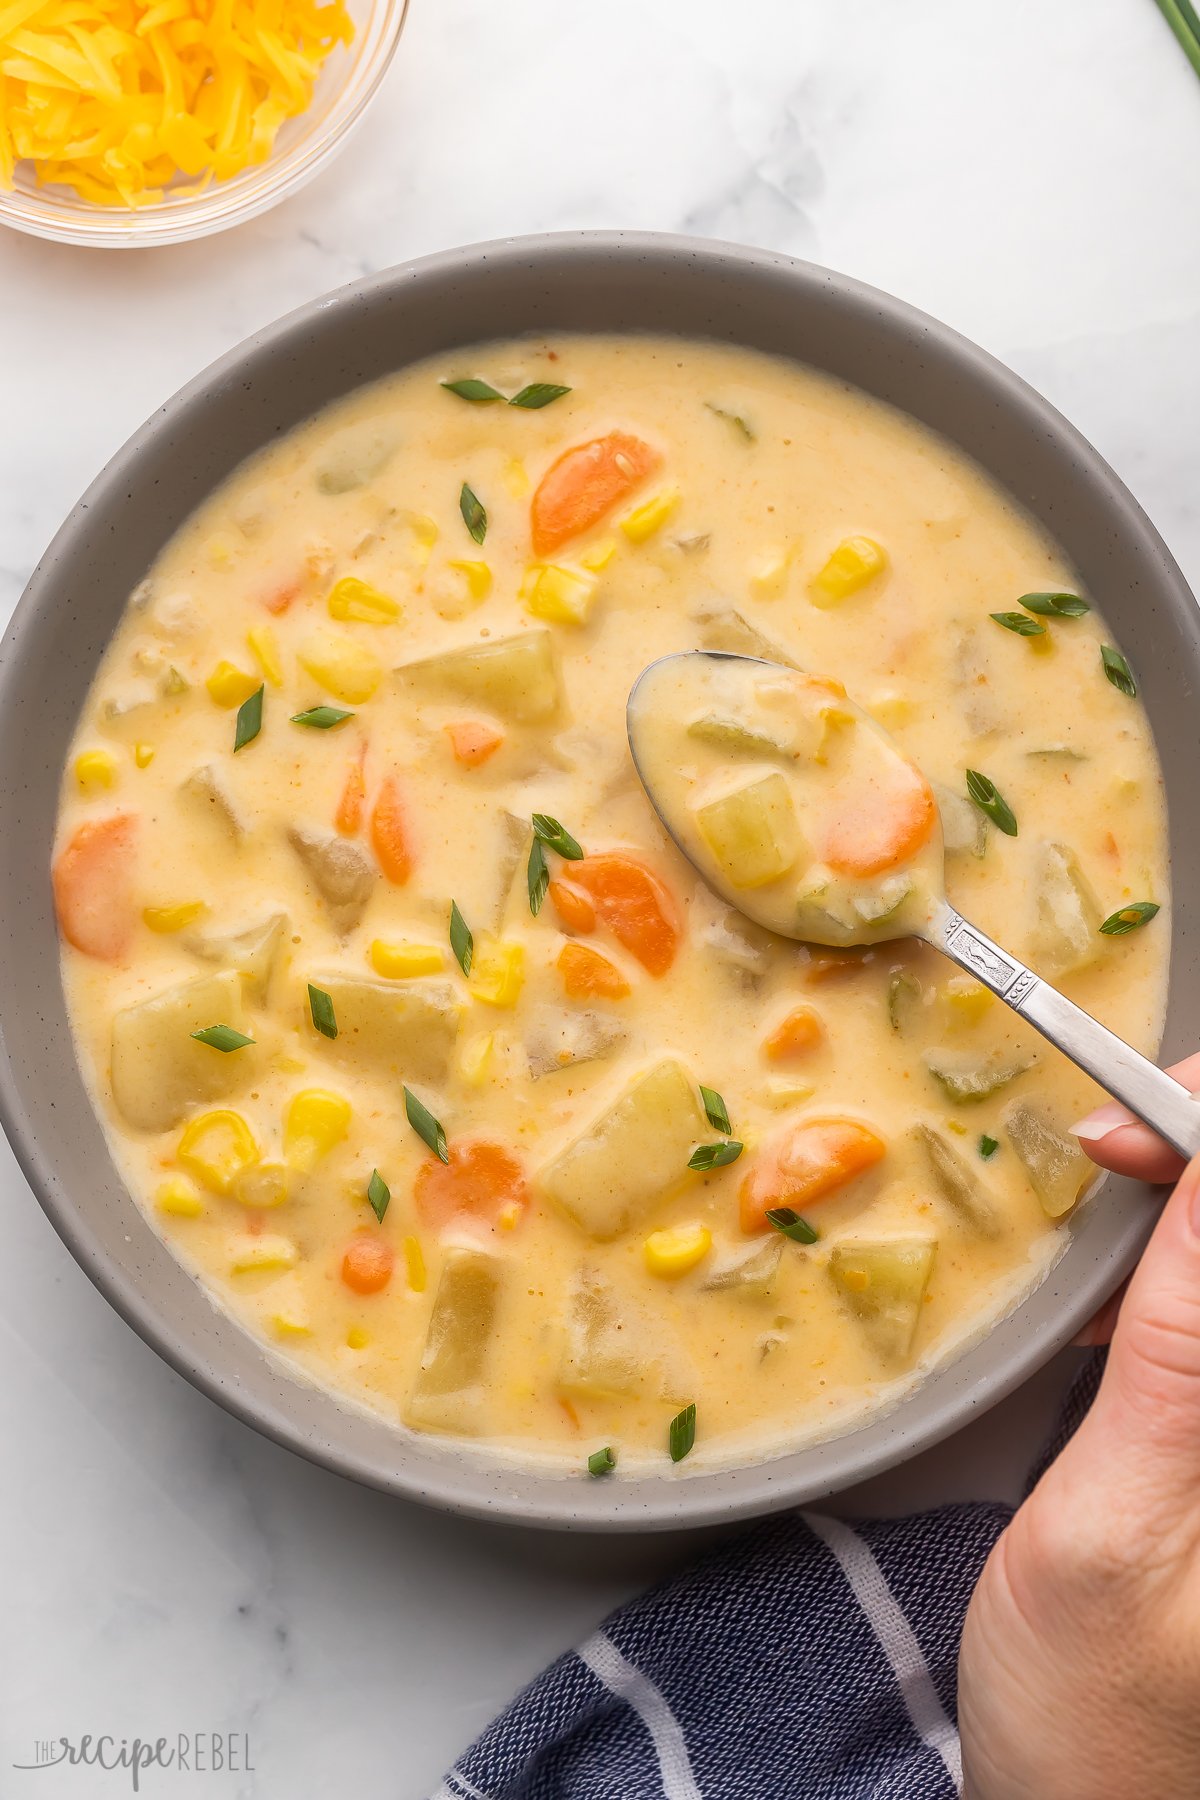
x,y
1029,172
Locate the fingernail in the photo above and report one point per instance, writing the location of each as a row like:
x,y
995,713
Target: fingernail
x,y
1098,1124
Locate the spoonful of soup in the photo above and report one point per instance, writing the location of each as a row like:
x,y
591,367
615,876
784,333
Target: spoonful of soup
x,y
800,810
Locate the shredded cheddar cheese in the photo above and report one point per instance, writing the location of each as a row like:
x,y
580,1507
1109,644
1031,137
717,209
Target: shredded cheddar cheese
x,y
118,99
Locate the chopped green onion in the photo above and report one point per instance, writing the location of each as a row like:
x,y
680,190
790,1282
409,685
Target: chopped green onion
x,y
1116,668
474,515
988,1147
735,419
537,876
1128,918
602,1462
320,1006
379,1194
1182,18
425,1125
462,941
249,720
322,718
991,801
538,394
1054,606
1018,622
792,1225
714,1156
683,1432
222,1037
470,388
715,1110
558,838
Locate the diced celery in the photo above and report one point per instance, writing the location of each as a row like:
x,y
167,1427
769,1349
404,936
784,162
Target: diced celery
x,y
353,456
958,1182
159,1071
1057,1168
724,628
905,1000
253,952
636,1150
965,1076
610,1350
742,946
342,873
884,902
516,677
735,735
750,1271
883,1282
560,1038
1066,935
448,1392
1058,753
753,832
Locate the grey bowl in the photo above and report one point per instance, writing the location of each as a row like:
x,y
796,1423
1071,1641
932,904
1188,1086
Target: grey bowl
x,y
621,281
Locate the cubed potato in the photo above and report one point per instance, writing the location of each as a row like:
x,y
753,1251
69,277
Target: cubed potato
x,y
612,1350
635,1151
883,1282
722,627
404,1030
516,677
743,947
353,456
1066,932
159,1071
341,871
1057,1168
254,952
748,1270
207,792
449,1390
964,827
958,1182
753,832
561,1037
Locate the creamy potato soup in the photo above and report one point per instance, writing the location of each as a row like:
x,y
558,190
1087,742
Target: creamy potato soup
x,y
414,1034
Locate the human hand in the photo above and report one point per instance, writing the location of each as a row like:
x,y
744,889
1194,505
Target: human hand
x,y
1079,1673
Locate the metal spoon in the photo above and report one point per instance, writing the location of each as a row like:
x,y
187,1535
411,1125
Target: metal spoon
x,y
1162,1103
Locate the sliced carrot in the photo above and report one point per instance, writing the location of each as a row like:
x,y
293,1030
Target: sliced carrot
x,y
368,1263
636,906
93,886
830,964
589,976
481,1178
473,742
573,906
278,599
805,1163
584,484
881,825
391,839
349,815
797,1035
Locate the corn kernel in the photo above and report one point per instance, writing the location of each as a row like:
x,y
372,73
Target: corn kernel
x,y
173,918
177,1195
316,1121
143,755
966,1000
262,1184
891,710
348,670
414,1263
288,1065
478,577
425,536
645,520
768,578
400,962
516,478
855,562
229,686
857,1280
357,1338
268,1250
498,973
215,1147
563,596
95,770
509,1216
289,1325
476,1057
219,552
673,1252
780,1092
351,598
956,1126
600,555
264,648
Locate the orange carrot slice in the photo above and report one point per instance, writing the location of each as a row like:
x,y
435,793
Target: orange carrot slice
x,y
279,598
804,1164
349,815
636,906
574,908
481,1178
368,1263
881,825
795,1036
473,742
390,836
589,976
584,484
93,887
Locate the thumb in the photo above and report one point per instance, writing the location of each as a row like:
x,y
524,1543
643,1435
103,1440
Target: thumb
x,y
1147,1413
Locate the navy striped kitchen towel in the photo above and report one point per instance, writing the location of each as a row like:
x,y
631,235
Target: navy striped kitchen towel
x,y
807,1659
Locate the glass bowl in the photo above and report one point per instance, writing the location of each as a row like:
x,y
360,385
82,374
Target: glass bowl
x,y
344,89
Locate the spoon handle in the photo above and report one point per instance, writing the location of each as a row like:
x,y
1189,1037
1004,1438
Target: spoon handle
x,y
1164,1104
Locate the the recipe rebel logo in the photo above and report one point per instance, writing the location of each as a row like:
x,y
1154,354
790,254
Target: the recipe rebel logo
x,y
187,1753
